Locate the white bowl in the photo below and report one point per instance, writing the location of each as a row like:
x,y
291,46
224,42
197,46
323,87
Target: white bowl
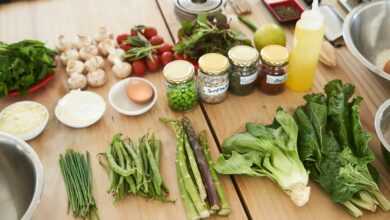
x,y
38,129
121,103
80,109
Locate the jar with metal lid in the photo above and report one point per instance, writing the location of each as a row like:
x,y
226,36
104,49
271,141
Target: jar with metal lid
x,y
181,87
213,78
244,69
273,73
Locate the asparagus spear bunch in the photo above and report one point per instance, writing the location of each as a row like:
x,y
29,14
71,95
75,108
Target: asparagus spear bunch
x,y
76,171
134,168
199,186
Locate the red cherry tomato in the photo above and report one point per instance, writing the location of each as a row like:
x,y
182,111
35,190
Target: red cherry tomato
x,y
164,48
138,67
156,40
153,64
125,47
149,32
133,32
166,57
121,38
179,56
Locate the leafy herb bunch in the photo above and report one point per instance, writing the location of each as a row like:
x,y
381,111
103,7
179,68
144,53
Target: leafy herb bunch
x,y
24,63
208,33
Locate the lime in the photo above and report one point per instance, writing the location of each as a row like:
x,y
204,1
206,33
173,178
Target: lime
x,y
269,34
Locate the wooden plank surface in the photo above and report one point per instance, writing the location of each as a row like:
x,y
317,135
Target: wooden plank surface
x,y
264,200
45,20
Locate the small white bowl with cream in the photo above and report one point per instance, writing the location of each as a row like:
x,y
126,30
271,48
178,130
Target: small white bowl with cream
x,y
25,119
80,109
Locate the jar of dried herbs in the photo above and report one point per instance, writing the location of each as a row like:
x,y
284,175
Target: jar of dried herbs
x,y
181,87
213,78
244,70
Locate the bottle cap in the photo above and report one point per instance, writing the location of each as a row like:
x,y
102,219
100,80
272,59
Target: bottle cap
x,y
275,55
178,71
243,55
213,63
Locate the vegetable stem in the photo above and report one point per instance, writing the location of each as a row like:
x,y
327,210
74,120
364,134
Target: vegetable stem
x,y
249,24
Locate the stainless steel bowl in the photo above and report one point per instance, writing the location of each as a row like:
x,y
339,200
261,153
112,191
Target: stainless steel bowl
x,y
382,128
21,178
366,32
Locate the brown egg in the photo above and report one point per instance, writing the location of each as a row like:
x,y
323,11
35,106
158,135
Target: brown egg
x,y
386,68
139,92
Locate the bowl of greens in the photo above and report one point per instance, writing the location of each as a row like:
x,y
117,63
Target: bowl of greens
x,y
25,67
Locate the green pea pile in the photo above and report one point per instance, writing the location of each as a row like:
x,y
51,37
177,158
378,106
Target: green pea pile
x,y
182,97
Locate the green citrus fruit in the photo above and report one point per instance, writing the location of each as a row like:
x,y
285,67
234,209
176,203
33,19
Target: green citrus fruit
x,y
269,34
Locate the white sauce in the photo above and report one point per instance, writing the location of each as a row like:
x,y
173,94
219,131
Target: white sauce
x,y
23,118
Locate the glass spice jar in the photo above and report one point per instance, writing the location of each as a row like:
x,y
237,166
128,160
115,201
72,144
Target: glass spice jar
x,y
273,73
181,87
213,78
244,69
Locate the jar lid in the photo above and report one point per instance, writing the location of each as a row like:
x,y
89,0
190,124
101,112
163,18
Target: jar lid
x,y
243,55
178,71
274,54
213,63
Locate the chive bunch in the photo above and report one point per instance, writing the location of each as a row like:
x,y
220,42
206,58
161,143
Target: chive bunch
x,y
76,171
134,168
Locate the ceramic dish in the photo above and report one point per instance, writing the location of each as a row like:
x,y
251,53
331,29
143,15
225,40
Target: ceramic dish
x,y
25,119
121,103
80,109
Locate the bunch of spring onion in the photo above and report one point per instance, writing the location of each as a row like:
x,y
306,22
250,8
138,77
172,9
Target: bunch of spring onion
x,y
76,170
200,189
134,168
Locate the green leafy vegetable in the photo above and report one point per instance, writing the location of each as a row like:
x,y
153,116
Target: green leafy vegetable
x,y
334,148
22,64
269,151
208,33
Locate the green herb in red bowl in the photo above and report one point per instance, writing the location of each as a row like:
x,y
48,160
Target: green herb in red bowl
x,y
25,67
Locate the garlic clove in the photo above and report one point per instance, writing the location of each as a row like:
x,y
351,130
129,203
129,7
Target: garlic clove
x,y
77,81
121,69
70,54
102,34
96,78
94,63
88,52
74,66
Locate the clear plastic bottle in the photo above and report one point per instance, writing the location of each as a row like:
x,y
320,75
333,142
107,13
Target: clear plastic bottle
x,y
308,37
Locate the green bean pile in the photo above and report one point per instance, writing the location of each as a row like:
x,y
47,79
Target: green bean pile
x,y
76,170
134,168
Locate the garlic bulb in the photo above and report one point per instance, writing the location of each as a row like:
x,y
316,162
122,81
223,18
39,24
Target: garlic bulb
x,y
102,34
63,45
96,78
106,46
77,81
70,54
88,52
83,41
94,63
74,66
116,54
121,69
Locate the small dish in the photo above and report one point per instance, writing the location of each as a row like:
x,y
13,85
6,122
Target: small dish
x,y
34,88
25,119
285,10
122,104
80,109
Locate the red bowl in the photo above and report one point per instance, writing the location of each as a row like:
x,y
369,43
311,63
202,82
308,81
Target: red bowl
x,y
37,86
293,4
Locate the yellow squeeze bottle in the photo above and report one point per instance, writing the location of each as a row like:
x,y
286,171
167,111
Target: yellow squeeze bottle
x,y
308,37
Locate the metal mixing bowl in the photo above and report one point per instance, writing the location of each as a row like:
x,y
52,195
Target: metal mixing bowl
x,y
366,33
382,128
21,179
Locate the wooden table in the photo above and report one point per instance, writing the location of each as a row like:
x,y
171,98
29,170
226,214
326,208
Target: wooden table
x,y
250,198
